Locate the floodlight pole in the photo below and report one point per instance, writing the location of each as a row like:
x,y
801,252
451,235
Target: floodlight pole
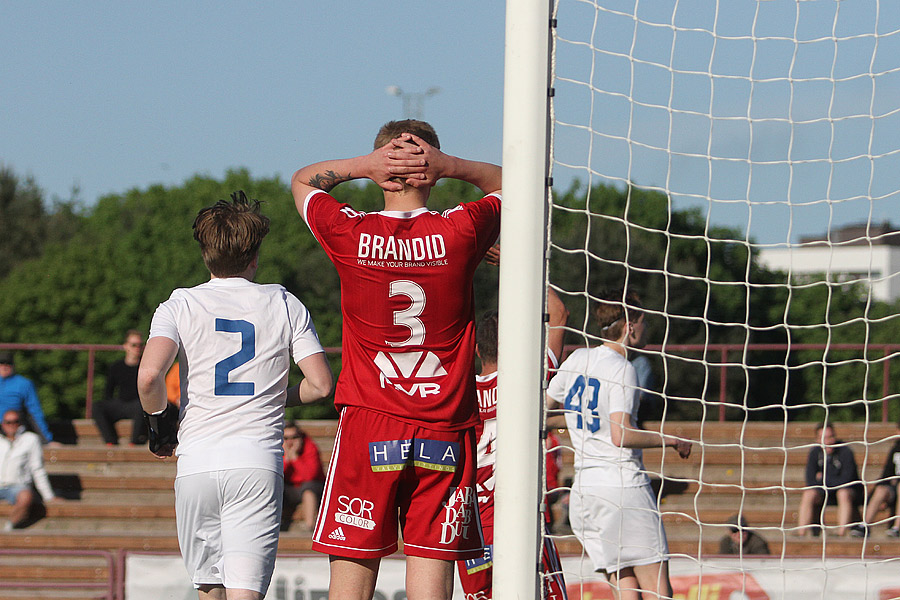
x,y
413,102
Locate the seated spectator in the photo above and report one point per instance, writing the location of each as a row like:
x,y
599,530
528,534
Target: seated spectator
x,y
741,540
120,399
304,479
21,465
885,495
18,393
831,478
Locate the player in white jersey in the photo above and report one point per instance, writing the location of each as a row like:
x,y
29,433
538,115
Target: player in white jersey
x,y
612,509
234,340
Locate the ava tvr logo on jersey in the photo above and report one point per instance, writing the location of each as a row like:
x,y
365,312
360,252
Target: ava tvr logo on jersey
x,y
356,512
410,365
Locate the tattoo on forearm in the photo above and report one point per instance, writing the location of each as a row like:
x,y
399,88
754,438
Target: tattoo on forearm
x,y
326,181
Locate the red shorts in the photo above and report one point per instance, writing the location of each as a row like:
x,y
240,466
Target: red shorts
x,y
382,469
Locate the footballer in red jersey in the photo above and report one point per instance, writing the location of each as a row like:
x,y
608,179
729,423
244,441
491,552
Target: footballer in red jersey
x,y
406,443
476,575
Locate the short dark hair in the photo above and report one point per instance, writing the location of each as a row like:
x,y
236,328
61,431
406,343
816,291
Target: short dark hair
x,y
6,357
230,234
393,129
824,425
486,336
291,424
133,332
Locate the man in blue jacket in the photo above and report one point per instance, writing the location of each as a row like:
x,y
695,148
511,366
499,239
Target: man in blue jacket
x,y
18,393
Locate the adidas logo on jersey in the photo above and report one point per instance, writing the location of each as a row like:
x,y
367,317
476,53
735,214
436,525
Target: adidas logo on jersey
x,y
337,534
410,365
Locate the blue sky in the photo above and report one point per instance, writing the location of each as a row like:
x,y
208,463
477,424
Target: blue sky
x,y
114,95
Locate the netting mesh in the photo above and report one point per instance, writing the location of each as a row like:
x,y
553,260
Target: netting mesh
x,y
737,164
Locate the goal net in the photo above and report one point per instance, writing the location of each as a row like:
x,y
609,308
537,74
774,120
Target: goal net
x,y
737,164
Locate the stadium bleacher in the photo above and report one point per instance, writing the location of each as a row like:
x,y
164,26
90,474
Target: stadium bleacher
x,y
121,499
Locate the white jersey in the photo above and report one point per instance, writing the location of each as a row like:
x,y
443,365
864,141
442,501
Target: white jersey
x,y
591,384
234,337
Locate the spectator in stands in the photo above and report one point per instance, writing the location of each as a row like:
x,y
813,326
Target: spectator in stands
x,y
120,400
304,478
21,465
741,540
831,478
885,495
18,393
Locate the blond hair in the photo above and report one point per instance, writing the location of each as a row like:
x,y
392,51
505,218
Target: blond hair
x,y
394,129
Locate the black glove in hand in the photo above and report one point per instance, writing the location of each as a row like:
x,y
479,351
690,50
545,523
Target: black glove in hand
x,y
162,428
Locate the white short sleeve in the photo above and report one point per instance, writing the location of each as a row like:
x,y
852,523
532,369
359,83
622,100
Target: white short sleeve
x,y
622,390
305,341
164,322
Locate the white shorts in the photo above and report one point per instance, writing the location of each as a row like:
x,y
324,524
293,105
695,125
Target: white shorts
x,y
228,526
618,527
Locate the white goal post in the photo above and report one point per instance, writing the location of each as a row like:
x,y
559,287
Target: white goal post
x,y
738,162
522,276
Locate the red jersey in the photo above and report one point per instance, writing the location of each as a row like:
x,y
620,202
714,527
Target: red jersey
x,y
486,434
407,305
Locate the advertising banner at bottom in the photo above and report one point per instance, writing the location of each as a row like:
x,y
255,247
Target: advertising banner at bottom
x,y
162,577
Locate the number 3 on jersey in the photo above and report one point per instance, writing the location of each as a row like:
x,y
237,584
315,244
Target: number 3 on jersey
x,y
575,404
244,355
409,317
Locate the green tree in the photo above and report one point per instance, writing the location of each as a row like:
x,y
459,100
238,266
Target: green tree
x,y
26,226
704,285
133,249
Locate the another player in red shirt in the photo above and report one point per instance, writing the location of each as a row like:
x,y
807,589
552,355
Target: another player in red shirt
x,y
477,574
404,455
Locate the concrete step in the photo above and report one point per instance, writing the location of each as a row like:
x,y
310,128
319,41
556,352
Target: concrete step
x,y
828,545
34,593
125,495
54,574
84,432
54,570
86,510
762,434
135,539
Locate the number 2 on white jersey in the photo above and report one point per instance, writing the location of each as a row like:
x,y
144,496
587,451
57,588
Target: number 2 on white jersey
x,y
409,317
245,354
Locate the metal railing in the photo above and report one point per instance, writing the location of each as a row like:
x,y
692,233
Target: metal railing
x,y
721,364
888,351
92,350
